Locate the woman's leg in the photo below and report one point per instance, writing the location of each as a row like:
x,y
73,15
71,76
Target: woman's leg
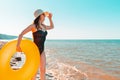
x,y
43,66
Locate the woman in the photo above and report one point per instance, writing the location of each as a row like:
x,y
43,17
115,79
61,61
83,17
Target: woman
x,y
39,31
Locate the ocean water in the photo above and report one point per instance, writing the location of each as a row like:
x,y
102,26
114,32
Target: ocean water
x,y
83,59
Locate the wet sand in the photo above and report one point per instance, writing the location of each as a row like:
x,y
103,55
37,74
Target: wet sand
x,y
93,73
82,72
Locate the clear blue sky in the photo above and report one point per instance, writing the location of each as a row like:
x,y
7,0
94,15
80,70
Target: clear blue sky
x,y
73,19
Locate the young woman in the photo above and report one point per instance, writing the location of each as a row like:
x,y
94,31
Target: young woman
x,y
39,31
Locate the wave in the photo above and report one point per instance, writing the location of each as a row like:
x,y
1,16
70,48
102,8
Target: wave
x,y
66,69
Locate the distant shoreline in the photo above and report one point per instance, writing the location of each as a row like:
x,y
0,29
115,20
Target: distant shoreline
x,y
67,39
10,37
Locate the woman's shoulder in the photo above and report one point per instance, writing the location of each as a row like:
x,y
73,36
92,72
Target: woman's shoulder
x,y
32,25
33,28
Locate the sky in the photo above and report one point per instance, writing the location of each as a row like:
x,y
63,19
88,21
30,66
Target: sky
x,y
73,19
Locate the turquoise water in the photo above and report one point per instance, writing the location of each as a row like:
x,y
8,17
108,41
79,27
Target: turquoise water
x,y
102,54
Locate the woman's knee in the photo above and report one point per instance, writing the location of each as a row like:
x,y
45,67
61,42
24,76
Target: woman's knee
x,y
43,59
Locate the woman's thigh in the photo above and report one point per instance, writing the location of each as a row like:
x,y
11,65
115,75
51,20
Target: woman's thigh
x,y
43,60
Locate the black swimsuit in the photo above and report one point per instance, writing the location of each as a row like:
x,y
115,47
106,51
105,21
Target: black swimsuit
x,y
39,38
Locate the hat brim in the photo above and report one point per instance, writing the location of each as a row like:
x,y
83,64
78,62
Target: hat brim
x,y
39,15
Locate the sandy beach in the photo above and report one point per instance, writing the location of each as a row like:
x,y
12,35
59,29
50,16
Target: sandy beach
x,y
2,43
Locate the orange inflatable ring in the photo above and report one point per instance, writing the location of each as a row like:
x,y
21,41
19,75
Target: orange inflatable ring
x,y
29,68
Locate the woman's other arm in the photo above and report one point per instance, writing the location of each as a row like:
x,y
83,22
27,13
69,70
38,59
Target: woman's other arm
x,y
29,28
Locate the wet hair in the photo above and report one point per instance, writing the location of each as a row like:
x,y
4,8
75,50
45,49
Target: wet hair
x,y
36,22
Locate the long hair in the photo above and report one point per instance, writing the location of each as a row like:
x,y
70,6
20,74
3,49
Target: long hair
x,y
36,22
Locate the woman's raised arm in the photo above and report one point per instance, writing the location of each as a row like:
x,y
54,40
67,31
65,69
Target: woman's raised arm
x,y
51,22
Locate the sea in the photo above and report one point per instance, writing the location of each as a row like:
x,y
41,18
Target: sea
x,y
83,59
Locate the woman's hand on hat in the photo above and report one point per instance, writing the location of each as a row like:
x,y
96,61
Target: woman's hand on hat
x,y
50,15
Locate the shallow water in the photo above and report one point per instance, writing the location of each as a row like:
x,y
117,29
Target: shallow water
x,y
91,59
82,60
